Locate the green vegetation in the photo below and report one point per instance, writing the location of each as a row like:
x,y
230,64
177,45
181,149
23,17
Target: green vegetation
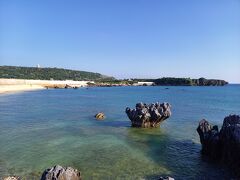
x,y
49,73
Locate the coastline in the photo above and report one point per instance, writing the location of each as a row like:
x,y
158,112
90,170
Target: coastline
x,y
18,85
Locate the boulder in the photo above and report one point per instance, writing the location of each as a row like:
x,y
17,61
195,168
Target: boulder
x,y
224,145
100,116
61,173
151,115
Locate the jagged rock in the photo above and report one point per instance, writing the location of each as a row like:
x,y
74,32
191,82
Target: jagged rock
x,y
223,145
12,178
148,115
60,173
100,116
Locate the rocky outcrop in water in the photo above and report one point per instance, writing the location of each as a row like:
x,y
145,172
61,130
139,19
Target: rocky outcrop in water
x,y
223,145
151,115
60,173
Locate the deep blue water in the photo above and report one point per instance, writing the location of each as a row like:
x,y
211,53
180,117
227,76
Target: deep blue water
x,y
42,128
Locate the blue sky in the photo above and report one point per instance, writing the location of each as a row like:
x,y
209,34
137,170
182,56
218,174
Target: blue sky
x,y
124,38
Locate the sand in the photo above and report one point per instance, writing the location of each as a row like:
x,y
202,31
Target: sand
x,y
16,85
18,88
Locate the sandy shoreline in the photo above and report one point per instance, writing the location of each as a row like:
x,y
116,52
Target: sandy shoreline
x,y
18,88
18,85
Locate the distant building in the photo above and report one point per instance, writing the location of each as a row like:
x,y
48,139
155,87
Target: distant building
x,y
38,66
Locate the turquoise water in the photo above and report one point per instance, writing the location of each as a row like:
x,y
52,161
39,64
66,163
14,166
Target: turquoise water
x,y
42,128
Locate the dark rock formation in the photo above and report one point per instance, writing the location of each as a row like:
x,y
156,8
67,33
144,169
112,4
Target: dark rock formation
x,y
100,116
223,145
148,115
60,173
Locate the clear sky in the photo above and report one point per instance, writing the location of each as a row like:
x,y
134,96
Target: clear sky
x,y
124,38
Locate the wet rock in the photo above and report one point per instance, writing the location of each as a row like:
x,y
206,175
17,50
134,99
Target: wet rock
x,y
151,115
223,145
60,173
100,116
12,178
209,138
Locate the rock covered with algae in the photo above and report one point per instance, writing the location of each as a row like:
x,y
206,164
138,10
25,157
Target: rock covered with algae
x,y
151,115
61,173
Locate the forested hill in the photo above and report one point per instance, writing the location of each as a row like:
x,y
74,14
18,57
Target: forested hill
x,y
17,72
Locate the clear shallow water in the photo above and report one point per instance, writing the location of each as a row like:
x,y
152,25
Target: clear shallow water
x,y
42,128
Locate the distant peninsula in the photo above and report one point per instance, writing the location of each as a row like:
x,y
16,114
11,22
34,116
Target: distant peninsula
x,y
169,81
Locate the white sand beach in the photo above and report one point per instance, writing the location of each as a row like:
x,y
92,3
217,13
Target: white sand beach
x,y
17,88
16,85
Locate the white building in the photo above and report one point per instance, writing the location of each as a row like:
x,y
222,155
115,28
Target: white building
x,y
144,83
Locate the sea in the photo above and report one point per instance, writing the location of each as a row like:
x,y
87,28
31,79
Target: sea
x,y
40,129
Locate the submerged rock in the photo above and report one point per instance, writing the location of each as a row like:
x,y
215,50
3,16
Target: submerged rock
x,y
223,145
100,116
148,115
12,178
60,173
166,178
